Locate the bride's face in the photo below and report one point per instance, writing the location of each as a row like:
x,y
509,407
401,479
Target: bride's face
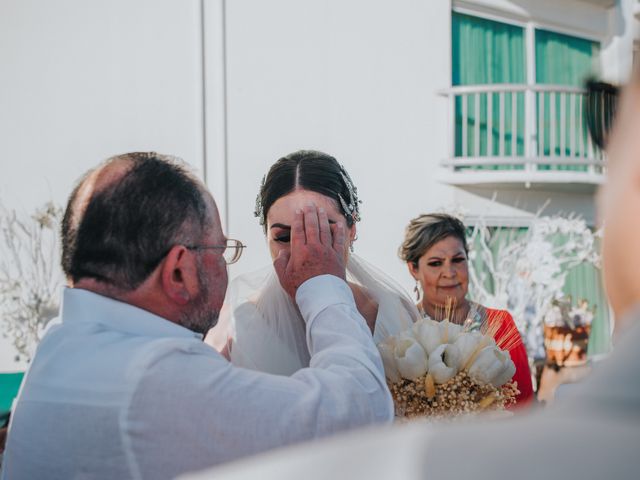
x,y
282,212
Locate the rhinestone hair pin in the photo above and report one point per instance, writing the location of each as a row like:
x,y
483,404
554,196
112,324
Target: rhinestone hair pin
x,y
351,208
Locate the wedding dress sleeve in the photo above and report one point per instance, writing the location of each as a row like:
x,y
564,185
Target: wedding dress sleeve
x,y
266,331
260,326
396,311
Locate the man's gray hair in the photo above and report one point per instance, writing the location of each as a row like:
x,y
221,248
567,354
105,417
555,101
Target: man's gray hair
x,y
124,217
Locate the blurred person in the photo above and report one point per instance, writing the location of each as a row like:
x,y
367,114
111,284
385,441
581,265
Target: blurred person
x,y
436,253
122,386
592,432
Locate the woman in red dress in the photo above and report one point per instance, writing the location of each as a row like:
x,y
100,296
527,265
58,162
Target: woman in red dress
x,y
435,250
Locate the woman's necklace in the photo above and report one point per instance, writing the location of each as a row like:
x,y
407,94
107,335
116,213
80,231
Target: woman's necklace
x,y
471,323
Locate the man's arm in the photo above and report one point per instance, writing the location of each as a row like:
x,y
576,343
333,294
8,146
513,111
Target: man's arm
x,y
210,411
192,409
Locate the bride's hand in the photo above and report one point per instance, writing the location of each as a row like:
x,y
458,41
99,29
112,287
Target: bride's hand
x,y
317,248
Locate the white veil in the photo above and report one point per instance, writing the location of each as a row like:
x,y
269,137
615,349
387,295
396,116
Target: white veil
x,y
266,329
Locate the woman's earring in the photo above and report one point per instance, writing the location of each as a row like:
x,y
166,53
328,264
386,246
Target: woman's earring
x,y
416,289
351,249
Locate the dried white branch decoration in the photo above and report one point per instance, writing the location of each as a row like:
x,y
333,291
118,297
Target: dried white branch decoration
x,y
30,276
525,272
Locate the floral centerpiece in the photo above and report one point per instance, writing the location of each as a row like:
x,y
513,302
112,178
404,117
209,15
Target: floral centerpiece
x,y
566,333
443,369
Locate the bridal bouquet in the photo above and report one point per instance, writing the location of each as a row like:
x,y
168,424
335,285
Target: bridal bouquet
x,y
439,369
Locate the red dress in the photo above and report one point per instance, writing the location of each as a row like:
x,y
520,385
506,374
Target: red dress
x,y
518,355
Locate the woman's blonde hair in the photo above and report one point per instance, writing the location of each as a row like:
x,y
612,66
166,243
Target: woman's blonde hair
x,y
426,230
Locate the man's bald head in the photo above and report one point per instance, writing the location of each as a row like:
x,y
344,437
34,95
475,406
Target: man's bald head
x,y
94,181
125,215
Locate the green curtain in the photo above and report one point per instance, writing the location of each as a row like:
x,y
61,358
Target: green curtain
x,y
585,281
562,60
488,52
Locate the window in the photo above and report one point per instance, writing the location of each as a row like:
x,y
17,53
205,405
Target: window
x,y
488,52
562,60
492,123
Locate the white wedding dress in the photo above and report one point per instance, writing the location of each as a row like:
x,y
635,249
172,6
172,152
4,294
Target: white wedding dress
x,y
260,327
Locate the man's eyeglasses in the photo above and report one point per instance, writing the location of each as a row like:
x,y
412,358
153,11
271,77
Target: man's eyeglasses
x,y
232,250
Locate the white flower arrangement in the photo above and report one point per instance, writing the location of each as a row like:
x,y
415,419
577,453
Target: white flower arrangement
x,y
438,369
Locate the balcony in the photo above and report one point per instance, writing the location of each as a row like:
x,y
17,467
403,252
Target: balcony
x,y
504,136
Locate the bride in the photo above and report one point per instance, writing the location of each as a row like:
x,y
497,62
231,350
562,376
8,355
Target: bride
x,y
260,326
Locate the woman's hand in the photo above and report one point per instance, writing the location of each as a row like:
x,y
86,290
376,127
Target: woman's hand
x,y
317,248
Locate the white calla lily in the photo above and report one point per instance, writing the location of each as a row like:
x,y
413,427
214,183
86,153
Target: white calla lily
x,y
387,349
492,366
444,362
427,332
470,345
410,357
449,331
507,372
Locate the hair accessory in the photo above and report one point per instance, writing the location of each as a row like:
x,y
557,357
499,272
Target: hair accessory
x,y
259,209
351,208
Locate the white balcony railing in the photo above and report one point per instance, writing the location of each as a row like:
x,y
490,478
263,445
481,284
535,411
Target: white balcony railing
x,y
518,133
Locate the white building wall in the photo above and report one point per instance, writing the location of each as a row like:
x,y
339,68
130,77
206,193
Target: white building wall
x,y
85,79
355,79
359,80
81,80
617,49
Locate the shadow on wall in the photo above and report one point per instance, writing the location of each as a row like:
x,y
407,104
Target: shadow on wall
x,y
525,202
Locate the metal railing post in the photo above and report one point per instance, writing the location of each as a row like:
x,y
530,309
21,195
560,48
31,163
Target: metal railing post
x,y
552,115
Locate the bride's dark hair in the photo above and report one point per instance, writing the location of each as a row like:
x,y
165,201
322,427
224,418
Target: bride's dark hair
x,y
309,170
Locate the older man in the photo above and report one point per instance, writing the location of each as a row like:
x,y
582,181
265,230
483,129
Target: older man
x,y
593,432
123,386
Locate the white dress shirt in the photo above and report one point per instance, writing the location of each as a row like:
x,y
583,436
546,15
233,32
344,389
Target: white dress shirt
x,y
262,329
117,392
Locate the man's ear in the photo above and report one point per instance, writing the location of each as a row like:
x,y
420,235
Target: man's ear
x,y
179,276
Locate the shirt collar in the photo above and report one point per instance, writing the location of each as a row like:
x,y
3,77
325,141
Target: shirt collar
x,y
82,306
